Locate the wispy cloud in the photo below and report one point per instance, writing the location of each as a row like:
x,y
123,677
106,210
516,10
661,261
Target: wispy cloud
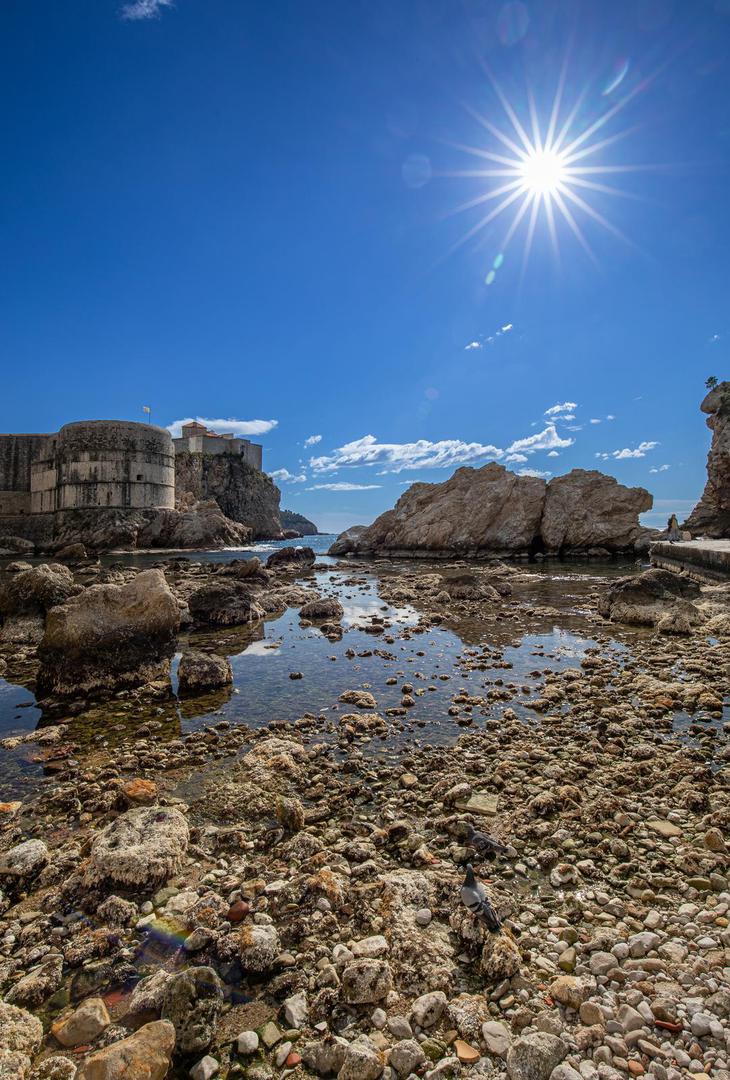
x,y
424,454
489,339
220,427
285,477
144,9
660,468
343,486
548,439
313,440
540,475
637,452
395,457
553,453
562,409
592,421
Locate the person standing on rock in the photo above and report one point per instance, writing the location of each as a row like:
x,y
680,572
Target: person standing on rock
x,y
673,530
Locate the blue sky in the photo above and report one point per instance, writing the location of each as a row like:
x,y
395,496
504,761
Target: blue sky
x,y
235,210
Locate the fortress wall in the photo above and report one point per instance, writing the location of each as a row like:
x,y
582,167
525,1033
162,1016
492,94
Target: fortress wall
x,y
16,455
102,464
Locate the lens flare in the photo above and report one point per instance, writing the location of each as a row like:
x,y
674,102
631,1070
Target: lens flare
x,y
547,171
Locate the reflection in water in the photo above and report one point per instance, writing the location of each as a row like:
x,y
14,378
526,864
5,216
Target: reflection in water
x,y
543,627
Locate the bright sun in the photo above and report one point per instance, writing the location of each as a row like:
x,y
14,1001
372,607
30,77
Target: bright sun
x,y
553,172
543,171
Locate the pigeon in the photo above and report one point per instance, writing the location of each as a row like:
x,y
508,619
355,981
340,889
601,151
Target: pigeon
x,y
484,845
474,898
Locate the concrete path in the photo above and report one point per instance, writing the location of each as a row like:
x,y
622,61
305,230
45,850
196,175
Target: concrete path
x,y
708,560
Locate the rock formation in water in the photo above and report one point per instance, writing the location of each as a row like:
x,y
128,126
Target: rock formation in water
x,y
202,525
109,636
494,511
290,520
243,493
711,516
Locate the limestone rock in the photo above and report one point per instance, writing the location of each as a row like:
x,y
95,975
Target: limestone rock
x,y
203,671
14,1065
110,636
645,599
36,590
326,607
224,603
83,1024
192,1003
366,981
362,1061
145,1055
24,861
347,541
711,516
19,1030
259,946
497,1038
587,509
533,1057
243,493
38,985
406,1056
55,1067
143,847
291,558
325,1057
427,1009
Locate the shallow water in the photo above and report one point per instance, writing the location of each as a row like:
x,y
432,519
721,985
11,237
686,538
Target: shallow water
x,y
553,633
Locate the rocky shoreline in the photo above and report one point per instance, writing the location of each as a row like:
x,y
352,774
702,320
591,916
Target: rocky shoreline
x,y
285,901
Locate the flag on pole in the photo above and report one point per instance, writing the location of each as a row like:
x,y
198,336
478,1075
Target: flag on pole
x,y
146,408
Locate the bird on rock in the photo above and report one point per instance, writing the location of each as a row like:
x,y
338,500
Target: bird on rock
x,y
485,846
474,898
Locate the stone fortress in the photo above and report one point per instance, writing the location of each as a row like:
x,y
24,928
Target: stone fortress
x,y
113,465
102,464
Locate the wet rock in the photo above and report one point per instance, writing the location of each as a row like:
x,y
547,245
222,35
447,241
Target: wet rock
x,y
533,1057
109,636
192,1003
326,607
366,981
142,847
83,1025
203,671
643,599
361,699
145,1055
291,558
225,603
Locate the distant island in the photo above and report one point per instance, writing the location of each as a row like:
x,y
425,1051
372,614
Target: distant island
x,y
291,521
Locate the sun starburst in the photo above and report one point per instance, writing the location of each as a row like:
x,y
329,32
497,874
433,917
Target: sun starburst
x,y
546,172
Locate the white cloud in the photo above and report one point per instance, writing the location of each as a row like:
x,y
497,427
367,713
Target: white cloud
x,y
609,417
595,421
286,477
395,457
516,458
542,440
638,452
313,440
660,468
343,486
535,472
491,338
561,408
237,427
145,9
553,453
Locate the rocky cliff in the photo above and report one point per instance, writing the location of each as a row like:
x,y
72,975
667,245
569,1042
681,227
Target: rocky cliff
x,y
243,493
493,511
291,520
711,516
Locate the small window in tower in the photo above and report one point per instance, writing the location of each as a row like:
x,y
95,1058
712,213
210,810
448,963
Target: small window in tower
x,y
139,475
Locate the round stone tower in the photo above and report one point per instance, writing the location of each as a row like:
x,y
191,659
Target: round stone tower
x,y
101,464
